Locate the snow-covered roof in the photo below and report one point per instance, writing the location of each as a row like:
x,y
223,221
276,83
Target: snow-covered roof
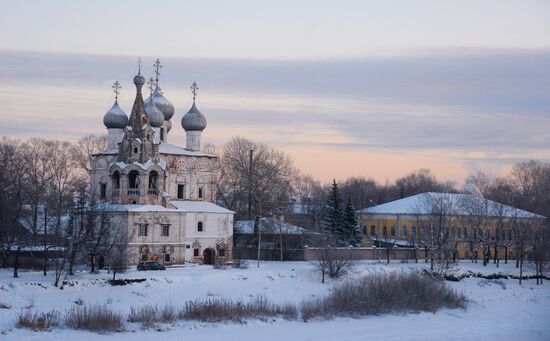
x,y
199,206
178,206
459,204
26,221
144,166
268,226
167,148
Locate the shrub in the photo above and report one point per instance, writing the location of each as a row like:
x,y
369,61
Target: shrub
x,y
239,263
221,310
382,294
149,315
97,318
37,321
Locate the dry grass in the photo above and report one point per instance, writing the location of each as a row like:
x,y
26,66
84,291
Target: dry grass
x,y
222,310
383,294
37,321
96,318
150,314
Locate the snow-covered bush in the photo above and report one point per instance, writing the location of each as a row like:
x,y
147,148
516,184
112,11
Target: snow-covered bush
x,y
382,294
37,321
97,318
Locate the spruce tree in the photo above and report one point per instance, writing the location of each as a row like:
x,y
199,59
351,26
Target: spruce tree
x,y
352,232
332,222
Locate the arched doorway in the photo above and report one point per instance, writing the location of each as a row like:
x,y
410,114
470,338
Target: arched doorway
x,y
208,256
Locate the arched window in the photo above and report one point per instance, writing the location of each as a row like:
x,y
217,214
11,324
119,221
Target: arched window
x,y
116,180
199,226
404,232
385,230
393,231
133,179
153,179
413,231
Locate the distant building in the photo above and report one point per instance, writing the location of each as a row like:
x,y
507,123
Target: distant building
x,y
164,195
463,220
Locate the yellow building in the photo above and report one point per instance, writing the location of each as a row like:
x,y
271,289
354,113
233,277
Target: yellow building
x,y
468,226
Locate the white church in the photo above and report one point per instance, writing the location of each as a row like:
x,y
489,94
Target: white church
x,y
162,194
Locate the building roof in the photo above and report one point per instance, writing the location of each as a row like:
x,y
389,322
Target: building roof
x,y
458,204
185,206
268,226
165,148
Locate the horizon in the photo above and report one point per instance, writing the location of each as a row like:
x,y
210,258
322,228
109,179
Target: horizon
x,y
374,89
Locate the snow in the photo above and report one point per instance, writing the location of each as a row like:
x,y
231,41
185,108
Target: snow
x,y
419,204
268,226
167,148
198,206
499,309
179,206
144,166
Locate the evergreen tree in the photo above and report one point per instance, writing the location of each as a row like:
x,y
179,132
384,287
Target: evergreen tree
x,y
332,222
352,232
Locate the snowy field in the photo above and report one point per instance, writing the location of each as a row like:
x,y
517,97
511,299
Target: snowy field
x,y
500,309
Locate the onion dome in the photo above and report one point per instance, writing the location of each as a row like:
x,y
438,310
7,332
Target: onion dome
x,y
139,80
156,118
115,118
194,120
165,107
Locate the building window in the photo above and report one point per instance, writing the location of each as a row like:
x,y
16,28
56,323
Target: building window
x,y
510,237
195,252
143,230
413,232
404,232
221,252
364,230
153,180
116,180
167,257
199,226
180,191
135,150
465,233
421,232
200,193
385,230
165,230
393,231
133,180
103,190
373,230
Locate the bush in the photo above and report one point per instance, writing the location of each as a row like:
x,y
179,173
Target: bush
x,y
97,318
221,310
239,263
382,294
37,321
149,315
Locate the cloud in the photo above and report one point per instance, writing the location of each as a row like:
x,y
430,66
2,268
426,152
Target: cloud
x,y
475,107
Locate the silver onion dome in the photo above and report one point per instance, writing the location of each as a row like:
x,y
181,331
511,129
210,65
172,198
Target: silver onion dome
x,y
156,118
165,107
139,80
193,120
115,118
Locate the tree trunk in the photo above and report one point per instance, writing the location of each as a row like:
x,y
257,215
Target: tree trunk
x,y
506,255
45,240
16,263
92,263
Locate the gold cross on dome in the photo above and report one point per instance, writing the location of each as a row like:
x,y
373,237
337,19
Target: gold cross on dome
x,y
194,88
116,89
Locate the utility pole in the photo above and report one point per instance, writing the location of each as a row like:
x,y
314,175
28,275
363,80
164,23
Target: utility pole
x,y
45,239
250,182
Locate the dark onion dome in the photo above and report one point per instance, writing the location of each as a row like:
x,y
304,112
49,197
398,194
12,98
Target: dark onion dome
x,y
193,120
115,118
156,118
165,107
139,80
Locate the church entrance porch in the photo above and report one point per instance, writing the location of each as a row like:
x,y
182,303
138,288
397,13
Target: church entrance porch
x,y
208,256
